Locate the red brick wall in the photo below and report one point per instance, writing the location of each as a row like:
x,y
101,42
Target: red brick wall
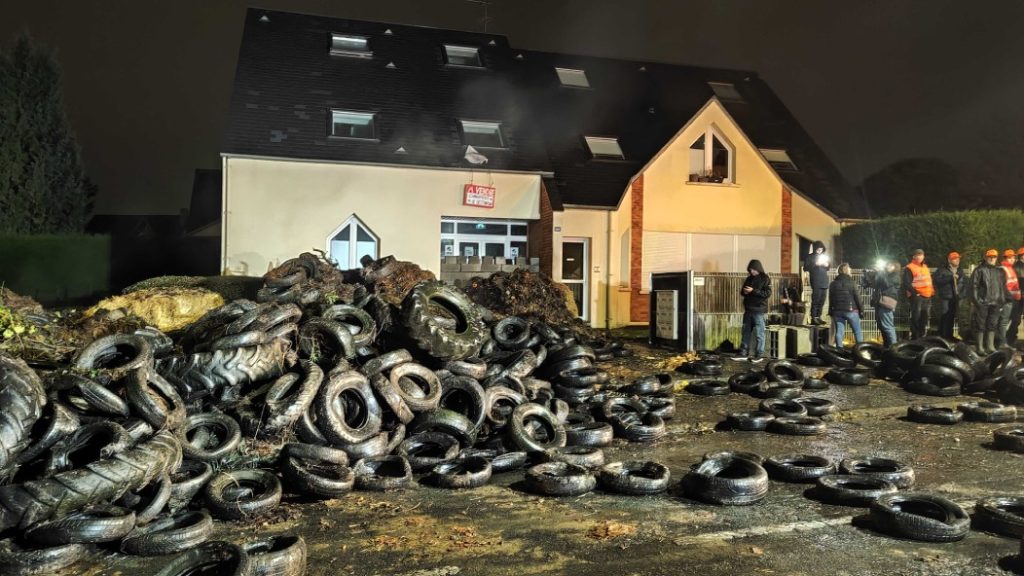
x,y
639,304
787,230
540,233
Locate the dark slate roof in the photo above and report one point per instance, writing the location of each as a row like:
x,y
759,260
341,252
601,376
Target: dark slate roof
x,y
286,82
205,206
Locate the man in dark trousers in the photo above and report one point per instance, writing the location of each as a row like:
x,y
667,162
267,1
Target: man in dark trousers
x,y
757,288
950,286
917,285
816,265
988,293
1008,264
1018,305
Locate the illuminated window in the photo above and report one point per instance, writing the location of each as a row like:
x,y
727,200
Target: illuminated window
x,y
779,159
481,134
711,158
351,242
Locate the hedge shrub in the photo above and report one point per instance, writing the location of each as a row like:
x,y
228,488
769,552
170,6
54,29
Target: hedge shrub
x,y
55,268
938,233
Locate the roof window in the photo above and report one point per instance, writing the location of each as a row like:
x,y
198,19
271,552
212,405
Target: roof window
x,y
572,77
350,45
778,159
601,147
352,124
726,91
462,56
481,134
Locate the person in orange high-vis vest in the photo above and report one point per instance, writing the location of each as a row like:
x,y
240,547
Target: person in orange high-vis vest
x,y
1013,287
1018,307
917,285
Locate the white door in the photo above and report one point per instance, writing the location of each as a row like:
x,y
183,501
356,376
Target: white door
x,y
576,272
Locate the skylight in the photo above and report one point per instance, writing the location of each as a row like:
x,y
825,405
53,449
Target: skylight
x,y
725,91
352,124
350,45
462,56
779,159
481,134
572,77
601,147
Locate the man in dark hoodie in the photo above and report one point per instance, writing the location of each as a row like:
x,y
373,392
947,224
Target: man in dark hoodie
x,y
757,288
844,305
816,265
988,293
950,286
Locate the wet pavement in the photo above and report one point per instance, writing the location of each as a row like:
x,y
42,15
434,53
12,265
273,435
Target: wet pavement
x,y
500,529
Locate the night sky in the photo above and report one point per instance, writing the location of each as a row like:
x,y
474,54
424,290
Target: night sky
x,y
147,83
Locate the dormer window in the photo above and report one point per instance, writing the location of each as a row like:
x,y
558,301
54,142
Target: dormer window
x,y
481,134
352,124
573,78
778,159
462,56
726,91
350,45
605,148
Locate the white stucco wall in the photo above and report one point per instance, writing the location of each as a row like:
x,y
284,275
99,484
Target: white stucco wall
x,y
275,209
592,225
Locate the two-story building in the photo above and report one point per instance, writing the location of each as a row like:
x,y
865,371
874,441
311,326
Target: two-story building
x,y
370,138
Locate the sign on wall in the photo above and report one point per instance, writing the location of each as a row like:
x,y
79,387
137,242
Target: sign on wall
x,y
477,195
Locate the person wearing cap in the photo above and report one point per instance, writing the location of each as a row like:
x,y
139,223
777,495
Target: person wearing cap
x,y
917,285
1018,306
884,296
988,294
1013,287
950,286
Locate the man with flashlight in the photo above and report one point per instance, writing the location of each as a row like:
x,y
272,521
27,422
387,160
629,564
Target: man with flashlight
x,y
816,265
950,286
917,285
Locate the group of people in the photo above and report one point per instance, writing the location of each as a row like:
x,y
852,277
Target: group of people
x,y
993,289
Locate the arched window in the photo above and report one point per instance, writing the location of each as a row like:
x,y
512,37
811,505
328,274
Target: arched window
x,y
350,242
711,157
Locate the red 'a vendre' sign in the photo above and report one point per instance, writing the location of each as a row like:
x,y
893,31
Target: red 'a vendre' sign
x,y
476,195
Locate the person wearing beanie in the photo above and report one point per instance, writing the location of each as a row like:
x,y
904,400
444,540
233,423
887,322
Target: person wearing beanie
x,y
917,285
950,286
816,265
844,305
1018,307
884,297
1013,287
988,294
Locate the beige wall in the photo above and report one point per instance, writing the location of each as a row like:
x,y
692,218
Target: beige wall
x,y
619,279
812,223
750,205
276,209
593,225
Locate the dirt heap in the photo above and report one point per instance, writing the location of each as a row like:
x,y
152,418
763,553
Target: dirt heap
x,y
168,309
391,279
229,287
529,294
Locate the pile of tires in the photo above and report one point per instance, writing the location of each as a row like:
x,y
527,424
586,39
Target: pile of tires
x,y
143,440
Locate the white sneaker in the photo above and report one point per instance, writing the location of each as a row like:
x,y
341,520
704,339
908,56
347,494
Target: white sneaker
x,y
756,360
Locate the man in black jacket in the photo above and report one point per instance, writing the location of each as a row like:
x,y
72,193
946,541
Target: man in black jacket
x,y
950,286
988,293
816,265
1018,305
757,288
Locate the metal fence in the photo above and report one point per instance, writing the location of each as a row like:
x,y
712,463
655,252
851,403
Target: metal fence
x,y
718,307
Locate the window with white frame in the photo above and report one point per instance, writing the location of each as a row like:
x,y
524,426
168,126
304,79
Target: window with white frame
x,y
602,147
482,134
350,242
455,55
479,237
352,124
350,45
711,158
778,159
572,77
726,91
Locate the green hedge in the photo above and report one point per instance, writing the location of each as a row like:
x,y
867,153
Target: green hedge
x,y
56,268
938,233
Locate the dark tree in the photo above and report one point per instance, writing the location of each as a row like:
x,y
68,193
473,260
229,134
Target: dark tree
x,y
915,185
43,187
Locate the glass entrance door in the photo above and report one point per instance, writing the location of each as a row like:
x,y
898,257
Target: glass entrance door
x,y
575,272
